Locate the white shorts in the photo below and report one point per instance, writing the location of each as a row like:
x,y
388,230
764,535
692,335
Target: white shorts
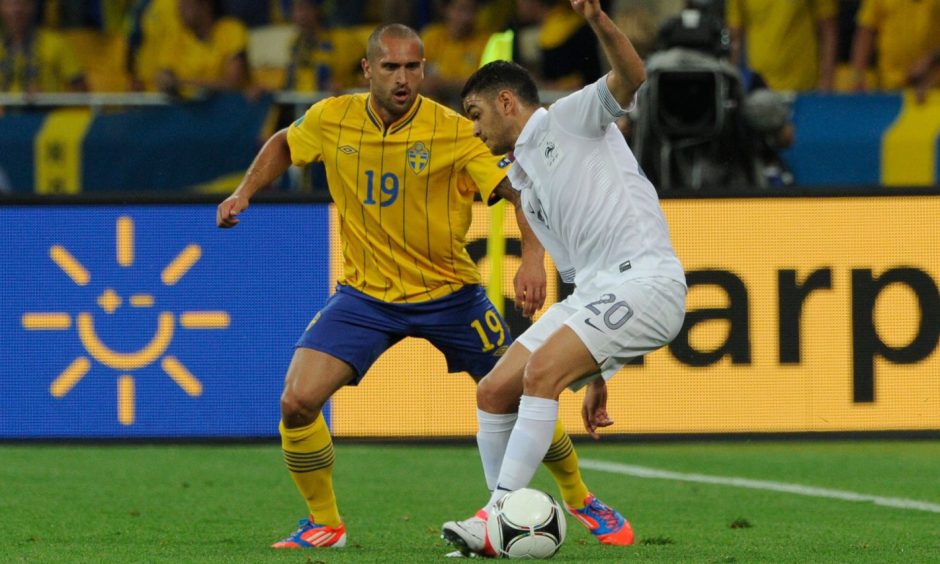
x,y
616,322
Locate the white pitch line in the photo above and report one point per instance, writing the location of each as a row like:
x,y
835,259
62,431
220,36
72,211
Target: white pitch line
x,y
646,472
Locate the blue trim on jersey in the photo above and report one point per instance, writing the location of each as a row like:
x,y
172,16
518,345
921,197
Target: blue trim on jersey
x,y
410,119
357,329
372,117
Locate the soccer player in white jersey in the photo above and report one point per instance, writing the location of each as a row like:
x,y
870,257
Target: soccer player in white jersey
x,y
598,216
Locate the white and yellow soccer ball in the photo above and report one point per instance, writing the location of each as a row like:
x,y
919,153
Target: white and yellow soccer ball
x,y
526,523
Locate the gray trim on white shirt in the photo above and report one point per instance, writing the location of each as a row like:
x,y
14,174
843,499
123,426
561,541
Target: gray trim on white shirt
x,y
567,275
607,99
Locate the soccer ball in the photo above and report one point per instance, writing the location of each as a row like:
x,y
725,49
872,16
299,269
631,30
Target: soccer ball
x,y
526,523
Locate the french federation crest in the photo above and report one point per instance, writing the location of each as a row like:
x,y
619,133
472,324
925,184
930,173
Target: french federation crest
x,y
418,157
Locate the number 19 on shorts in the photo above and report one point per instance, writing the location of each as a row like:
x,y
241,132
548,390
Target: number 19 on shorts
x,y
497,332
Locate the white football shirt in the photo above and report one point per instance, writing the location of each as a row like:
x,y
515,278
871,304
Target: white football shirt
x,y
584,195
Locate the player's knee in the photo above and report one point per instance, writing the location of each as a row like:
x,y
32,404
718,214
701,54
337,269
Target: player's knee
x,y
540,377
295,411
493,398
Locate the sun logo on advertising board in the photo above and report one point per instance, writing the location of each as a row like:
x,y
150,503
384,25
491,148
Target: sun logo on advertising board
x,y
110,301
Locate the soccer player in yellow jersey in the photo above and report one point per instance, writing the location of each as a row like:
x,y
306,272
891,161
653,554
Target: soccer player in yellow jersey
x,y
402,170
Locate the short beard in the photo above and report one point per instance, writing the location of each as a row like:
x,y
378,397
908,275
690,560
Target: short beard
x,y
393,109
501,149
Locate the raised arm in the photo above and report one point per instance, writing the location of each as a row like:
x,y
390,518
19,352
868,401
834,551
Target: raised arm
x,y
627,70
530,280
271,162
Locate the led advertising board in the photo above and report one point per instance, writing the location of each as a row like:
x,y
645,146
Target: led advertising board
x,y
149,321
804,315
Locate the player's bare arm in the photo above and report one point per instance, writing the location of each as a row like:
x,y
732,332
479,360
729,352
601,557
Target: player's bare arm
x,y
627,70
270,163
530,280
921,74
863,44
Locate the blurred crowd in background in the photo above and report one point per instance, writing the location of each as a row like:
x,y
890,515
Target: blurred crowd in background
x,y
129,45
719,69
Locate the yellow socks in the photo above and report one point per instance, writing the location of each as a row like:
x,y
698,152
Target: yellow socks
x,y
562,461
308,452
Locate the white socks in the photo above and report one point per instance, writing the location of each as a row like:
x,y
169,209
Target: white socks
x,y
492,436
528,443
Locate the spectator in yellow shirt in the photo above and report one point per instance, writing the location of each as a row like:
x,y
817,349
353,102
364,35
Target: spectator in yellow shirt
x,y
926,74
452,49
907,33
208,52
555,44
312,53
791,44
154,23
32,59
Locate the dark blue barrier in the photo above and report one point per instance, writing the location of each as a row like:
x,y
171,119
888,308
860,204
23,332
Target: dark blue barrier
x,y
937,161
172,148
839,143
838,138
17,132
148,149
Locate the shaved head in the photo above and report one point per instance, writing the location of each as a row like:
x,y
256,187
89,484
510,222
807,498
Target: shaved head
x,y
394,31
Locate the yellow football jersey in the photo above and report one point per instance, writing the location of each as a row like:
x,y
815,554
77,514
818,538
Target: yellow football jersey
x,y
403,192
191,58
781,38
450,58
906,32
311,66
160,25
48,64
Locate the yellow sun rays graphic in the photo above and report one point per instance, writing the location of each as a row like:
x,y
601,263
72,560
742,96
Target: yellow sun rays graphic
x,y
110,301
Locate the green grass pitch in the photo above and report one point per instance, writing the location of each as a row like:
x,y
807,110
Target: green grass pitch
x,y
228,503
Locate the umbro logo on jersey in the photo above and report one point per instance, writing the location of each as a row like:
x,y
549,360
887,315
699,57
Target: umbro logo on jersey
x,y
346,149
504,162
